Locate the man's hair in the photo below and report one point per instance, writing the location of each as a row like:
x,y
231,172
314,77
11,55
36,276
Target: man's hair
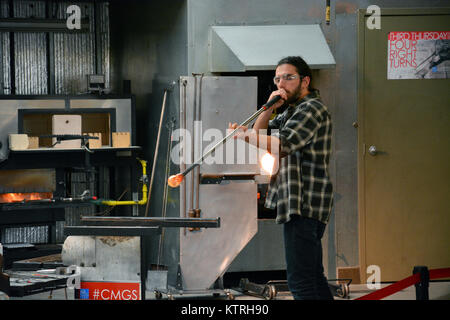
x,y
302,67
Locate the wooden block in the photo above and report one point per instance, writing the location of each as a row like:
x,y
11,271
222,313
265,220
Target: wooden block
x,y
33,142
349,273
18,141
121,139
95,143
66,124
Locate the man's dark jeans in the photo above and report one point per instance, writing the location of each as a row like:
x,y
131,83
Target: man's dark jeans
x,y
303,248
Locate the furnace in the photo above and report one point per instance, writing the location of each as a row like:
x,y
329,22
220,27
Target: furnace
x,y
45,182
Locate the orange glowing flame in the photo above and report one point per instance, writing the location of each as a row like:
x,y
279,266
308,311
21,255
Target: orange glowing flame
x,y
175,180
19,197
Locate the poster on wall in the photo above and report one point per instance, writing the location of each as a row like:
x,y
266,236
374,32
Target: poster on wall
x,y
419,55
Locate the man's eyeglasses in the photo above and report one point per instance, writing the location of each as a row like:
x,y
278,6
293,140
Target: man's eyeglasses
x,y
287,77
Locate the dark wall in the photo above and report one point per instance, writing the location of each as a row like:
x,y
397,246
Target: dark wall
x,y
148,47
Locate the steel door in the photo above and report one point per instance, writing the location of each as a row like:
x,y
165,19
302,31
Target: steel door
x,y
404,155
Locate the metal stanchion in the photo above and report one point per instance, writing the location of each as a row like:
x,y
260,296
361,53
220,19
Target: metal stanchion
x,y
423,284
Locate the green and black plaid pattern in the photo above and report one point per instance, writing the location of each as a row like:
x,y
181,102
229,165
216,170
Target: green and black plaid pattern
x,y
302,184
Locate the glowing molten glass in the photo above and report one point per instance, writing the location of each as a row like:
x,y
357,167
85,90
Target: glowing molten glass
x,y
175,180
268,163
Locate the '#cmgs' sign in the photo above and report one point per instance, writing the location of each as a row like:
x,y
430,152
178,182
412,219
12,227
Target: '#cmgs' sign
x,y
110,291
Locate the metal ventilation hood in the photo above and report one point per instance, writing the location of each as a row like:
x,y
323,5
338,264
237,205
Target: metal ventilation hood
x,y
246,48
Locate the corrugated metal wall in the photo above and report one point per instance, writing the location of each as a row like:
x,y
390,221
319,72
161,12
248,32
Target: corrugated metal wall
x,y
4,49
25,235
69,56
30,56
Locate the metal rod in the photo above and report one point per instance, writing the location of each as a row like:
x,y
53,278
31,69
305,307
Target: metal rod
x,y
232,133
194,117
199,139
182,156
166,187
151,221
155,157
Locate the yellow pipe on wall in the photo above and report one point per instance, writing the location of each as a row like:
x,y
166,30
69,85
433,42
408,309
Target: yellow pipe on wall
x,y
144,191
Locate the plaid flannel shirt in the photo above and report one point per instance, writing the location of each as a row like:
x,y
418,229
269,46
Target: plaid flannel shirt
x,y
302,184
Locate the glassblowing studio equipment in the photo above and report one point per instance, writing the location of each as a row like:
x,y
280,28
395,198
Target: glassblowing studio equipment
x,y
174,181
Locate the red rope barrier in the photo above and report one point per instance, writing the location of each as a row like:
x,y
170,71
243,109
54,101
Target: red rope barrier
x,y
402,284
391,289
439,273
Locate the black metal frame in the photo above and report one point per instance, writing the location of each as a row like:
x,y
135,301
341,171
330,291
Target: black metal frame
x,y
164,222
113,231
68,98
15,214
23,112
115,159
142,227
19,218
37,284
41,25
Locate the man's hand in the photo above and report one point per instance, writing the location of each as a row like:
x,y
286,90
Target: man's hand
x,y
240,133
269,143
283,94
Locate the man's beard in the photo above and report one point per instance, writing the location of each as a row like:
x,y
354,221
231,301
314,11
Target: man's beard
x,y
294,96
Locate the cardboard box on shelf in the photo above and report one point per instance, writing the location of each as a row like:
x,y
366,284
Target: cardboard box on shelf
x,y
94,143
121,139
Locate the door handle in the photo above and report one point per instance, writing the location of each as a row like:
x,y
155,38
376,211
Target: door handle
x,y
373,150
